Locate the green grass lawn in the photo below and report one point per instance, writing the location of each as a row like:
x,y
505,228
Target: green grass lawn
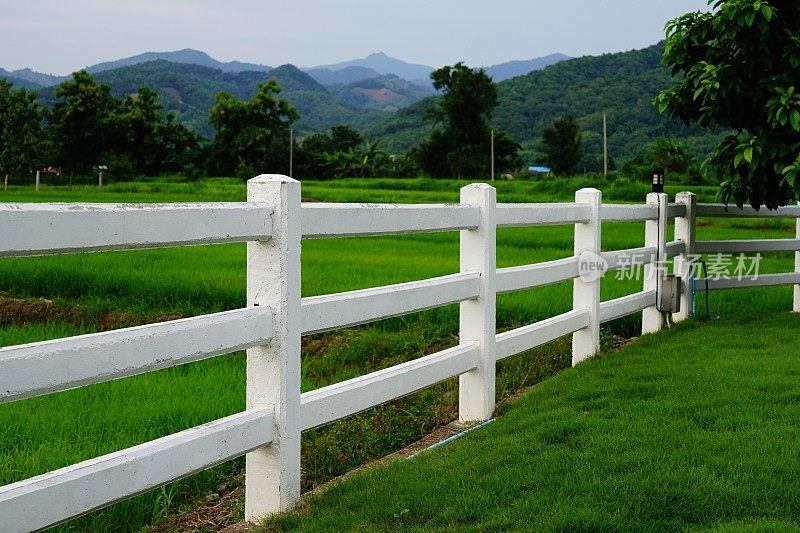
x,y
690,429
102,290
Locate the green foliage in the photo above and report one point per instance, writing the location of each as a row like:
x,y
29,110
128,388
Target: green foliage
x,y
254,133
740,65
460,148
89,127
345,153
621,85
673,156
82,123
21,136
561,146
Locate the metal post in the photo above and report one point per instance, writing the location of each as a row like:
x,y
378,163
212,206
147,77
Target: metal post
x,y
655,237
685,227
796,303
492,151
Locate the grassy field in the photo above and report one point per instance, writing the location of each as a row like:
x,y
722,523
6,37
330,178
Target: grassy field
x,y
686,430
93,292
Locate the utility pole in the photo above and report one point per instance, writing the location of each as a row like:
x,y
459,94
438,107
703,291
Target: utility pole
x,y
605,145
291,149
492,154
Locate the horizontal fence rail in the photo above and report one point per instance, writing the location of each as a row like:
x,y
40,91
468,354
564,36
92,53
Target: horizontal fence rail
x,y
355,395
676,210
528,337
763,280
744,246
630,257
628,213
675,248
273,223
320,220
45,229
538,275
627,305
57,496
719,210
334,311
526,215
50,366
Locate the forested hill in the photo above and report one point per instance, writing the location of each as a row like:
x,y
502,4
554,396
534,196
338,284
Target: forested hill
x,y
622,85
190,91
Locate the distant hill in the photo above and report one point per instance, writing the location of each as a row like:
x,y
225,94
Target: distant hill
x,y
385,93
622,85
186,56
505,71
190,90
346,75
18,81
383,64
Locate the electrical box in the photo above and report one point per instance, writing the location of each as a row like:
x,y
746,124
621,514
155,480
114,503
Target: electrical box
x,y
669,297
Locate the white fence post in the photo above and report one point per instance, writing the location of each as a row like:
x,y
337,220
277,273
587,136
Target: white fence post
x,y
273,370
476,392
685,228
586,288
796,306
655,236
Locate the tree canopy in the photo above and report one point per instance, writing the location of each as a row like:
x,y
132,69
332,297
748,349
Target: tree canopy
x,y
459,145
738,67
252,136
561,146
21,140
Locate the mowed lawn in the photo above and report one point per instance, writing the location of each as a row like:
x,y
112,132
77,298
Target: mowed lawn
x,y
697,428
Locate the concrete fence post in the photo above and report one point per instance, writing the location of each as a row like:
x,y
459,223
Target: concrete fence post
x,y
586,287
796,303
685,228
273,370
476,392
655,236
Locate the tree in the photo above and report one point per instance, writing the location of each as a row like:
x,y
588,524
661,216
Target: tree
x,y
138,123
21,136
82,124
459,146
738,67
561,145
252,136
671,155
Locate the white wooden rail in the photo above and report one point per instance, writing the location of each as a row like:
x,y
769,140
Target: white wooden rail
x,y
273,221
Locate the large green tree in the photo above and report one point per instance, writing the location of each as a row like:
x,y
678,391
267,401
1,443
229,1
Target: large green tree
x,y
561,146
459,146
83,126
252,136
155,142
21,136
738,67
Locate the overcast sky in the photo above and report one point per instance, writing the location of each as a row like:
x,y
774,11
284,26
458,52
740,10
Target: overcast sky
x,y
61,36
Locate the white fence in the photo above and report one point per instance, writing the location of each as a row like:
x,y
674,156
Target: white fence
x,y
273,222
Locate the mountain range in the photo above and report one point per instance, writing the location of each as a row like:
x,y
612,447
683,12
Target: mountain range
x,y
371,66
385,106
